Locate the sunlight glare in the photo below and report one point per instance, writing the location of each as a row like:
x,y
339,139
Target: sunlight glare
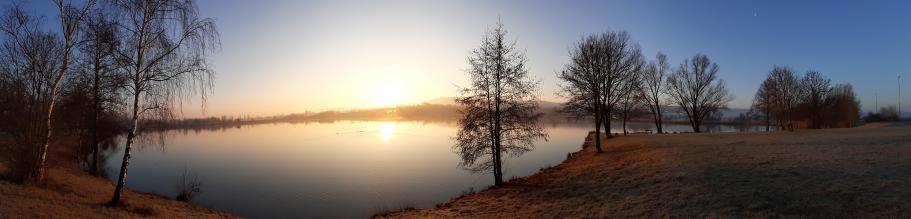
x,y
387,93
386,130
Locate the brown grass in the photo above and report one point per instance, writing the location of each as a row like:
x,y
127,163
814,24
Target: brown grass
x,y
836,173
70,193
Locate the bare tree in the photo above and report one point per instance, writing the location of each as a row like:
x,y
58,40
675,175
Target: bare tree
x,y
787,95
164,53
844,108
29,63
582,80
622,60
70,19
499,114
100,74
696,88
629,105
763,101
653,80
40,61
815,89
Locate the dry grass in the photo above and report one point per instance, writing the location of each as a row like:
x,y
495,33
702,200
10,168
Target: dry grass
x,y
70,193
836,173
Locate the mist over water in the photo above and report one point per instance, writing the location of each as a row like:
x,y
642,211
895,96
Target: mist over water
x,y
337,169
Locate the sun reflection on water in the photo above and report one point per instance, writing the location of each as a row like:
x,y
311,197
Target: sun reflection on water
x,y
386,130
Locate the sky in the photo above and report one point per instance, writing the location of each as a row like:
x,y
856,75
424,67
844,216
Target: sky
x,y
283,56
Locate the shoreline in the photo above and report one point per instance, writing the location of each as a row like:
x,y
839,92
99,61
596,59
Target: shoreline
x,y
72,193
854,172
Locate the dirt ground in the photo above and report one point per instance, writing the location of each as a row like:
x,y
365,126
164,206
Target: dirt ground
x,y
836,173
72,193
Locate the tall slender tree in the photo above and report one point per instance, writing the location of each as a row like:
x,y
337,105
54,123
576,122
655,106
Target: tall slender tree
x,y
629,104
99,73
165,49
652,92
71,18
697,90
30,62
499,107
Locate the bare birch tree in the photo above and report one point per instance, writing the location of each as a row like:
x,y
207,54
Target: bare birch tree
x,y
499,107
30,61
165,48
70,18
44,59
697,90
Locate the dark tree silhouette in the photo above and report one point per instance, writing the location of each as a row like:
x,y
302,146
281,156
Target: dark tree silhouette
x,y
786,95
499,115
164,53
37,63
763,102
622,60
582,82
815,89
844,108
629,105
99,74
696,88
653,80
29,64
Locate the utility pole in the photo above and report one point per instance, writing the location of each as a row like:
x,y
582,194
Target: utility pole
x,y
875,101
899,97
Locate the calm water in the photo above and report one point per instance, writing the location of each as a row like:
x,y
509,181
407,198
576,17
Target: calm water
x,y
329,170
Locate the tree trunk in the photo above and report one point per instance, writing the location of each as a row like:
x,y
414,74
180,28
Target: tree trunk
x,y
606,123
658,119
121,179
42,158
598,129
768,122
625,117
95,110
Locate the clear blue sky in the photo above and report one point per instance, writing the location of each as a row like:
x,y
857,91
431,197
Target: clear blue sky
x,y
291,56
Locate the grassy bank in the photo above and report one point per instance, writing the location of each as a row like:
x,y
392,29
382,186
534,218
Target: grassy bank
x,y
857,172
71,193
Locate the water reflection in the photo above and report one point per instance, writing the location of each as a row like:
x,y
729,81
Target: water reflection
x,y
329,169
386,130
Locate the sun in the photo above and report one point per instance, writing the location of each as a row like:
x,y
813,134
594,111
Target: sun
x,y
387,93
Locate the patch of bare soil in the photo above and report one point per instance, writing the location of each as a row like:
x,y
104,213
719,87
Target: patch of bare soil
x,y
835,173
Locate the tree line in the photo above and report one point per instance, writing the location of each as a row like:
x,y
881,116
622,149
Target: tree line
x,y
106,69
608,79
789,101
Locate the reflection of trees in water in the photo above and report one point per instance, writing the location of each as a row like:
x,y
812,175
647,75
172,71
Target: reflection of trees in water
x,y
107,147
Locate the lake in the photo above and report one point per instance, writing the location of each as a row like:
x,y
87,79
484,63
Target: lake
x,y
342,169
